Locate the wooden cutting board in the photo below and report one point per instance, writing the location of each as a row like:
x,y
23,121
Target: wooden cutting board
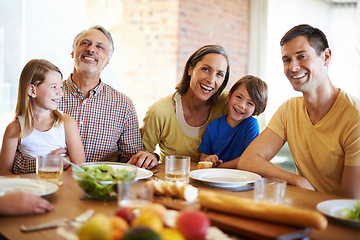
x,y
255,229
242,226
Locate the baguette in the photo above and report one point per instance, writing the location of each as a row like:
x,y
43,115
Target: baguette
x,y
262,210
182,190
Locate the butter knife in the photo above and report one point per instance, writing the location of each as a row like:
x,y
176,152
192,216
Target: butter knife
x,y
57,223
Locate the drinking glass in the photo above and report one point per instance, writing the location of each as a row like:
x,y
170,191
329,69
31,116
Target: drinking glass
x,y
134,195
270,190
177,168
50,168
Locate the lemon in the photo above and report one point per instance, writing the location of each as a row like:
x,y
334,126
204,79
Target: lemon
x,y
150,220
98,227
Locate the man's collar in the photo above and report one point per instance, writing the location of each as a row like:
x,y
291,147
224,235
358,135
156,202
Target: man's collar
x,y
76,91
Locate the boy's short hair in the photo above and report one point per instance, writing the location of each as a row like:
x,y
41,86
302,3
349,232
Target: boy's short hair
x,y
257,90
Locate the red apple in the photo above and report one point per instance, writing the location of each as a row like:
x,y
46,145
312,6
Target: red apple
x,y
125,213
192,224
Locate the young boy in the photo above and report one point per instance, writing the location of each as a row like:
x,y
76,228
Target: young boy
x,y
226,138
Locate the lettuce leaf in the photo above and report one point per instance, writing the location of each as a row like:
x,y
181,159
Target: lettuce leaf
x,y
351,214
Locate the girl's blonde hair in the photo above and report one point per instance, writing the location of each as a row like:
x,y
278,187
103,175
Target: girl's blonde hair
x,y
33,73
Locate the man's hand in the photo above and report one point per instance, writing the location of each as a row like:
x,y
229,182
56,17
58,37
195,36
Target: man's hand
x,y
144,159
21,203
303,183
214,159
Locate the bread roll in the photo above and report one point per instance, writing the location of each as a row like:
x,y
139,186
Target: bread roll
x,y
182,190
262,210
204,164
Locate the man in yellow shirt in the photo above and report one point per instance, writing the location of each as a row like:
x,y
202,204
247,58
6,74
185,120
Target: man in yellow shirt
x,y
322,127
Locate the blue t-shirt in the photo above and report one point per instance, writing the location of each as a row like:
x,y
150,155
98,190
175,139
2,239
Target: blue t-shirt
x,y
226,142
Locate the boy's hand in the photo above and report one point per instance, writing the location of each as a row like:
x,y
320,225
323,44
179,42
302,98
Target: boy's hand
x,y
214,159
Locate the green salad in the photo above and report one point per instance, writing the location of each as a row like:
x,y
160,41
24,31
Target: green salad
x,y
104,185
351,214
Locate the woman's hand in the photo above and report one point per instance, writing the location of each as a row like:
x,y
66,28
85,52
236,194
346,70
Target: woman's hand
x,y
144,159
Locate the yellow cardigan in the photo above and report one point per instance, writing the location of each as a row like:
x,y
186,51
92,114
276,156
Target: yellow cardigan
x,y
161,128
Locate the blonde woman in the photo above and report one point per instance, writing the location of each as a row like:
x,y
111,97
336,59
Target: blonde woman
x,y
39,128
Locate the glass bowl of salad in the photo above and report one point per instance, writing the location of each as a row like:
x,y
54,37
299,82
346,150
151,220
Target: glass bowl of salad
x,y
99,180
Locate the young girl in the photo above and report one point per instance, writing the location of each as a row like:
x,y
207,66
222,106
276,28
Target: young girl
x,y
226,138
39,128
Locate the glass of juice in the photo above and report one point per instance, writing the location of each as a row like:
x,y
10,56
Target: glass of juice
x,y
50,168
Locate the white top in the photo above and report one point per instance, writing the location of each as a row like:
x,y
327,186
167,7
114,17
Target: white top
x,y
188,130
42,143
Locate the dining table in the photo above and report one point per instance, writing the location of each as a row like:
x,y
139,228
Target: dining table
x,y
70,201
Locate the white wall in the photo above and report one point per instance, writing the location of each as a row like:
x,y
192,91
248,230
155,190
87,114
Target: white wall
x,y
282,16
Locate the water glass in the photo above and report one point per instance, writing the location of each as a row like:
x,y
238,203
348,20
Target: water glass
x,y
270,190
134,195
177,168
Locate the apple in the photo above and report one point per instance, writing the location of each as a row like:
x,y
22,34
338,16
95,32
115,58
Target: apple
x,y
126,213
192,224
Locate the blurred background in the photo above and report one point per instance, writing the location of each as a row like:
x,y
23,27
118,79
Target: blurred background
x,y
154,38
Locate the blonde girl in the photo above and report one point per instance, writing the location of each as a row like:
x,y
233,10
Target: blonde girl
x,y
39,128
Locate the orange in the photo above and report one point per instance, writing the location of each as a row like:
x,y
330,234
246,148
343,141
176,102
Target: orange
x,y
119,227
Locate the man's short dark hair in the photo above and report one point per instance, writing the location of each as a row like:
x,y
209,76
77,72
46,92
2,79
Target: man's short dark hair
x,y
315,36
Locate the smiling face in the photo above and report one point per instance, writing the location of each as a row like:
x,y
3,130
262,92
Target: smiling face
x,y
208,75
48,94
241,106
91,52
302,66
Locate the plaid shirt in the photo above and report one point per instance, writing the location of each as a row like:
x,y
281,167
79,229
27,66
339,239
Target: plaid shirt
x,y
107,122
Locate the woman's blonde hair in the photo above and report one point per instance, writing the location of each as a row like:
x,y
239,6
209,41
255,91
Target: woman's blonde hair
x,y
33,73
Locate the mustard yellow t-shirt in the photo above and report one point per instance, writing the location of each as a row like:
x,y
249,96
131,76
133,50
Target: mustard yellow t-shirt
x,y
321,151
161,128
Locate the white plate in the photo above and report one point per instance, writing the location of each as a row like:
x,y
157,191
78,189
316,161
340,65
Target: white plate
x,y
142,174
228,178
37,187
332,209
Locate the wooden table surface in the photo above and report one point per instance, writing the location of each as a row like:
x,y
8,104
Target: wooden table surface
x,y
69,201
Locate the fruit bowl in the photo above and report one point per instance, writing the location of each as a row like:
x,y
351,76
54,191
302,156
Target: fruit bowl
x,y
99,180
